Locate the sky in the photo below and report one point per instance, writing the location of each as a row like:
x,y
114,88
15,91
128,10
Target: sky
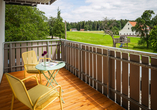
x,y
94,10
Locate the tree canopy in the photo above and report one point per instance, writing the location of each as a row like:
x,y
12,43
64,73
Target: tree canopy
x,y
143,26
51,22
25,23
154,21
153,38
59,27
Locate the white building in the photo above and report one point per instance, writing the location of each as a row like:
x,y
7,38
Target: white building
x,y
127,29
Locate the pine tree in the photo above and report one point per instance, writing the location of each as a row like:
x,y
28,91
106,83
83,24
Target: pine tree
x,y
59,28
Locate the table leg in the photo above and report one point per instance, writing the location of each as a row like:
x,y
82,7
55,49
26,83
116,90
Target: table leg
x,y
51,75
50,80
47,79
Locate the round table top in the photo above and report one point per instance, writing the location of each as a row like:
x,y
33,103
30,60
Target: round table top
x,y
43,68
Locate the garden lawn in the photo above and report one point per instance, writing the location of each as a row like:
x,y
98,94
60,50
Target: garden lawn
x,y
98,38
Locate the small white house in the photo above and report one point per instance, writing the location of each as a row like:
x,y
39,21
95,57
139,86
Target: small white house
x,y
127,29
73,29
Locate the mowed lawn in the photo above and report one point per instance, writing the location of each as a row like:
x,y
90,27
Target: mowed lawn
x,y
98,38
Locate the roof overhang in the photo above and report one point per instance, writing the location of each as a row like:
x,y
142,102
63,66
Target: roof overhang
x,y
29,2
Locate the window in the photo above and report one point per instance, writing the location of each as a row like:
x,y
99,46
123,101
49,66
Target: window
x,y
128,28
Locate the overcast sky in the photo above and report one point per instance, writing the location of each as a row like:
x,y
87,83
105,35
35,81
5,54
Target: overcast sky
x,y
84,10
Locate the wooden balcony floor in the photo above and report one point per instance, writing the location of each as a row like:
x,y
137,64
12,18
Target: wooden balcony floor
x,y
77,94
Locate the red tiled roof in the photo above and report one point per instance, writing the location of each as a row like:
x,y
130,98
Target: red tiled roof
x,y
132,23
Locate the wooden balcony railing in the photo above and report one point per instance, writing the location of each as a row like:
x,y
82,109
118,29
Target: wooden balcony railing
x,y
127,77
13,52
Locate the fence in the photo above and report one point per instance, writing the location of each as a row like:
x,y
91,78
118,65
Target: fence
x,y
127,77
13,52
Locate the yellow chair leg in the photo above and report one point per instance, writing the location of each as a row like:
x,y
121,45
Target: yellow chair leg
x,y
60,99
12,102
40,79
24,74
61,102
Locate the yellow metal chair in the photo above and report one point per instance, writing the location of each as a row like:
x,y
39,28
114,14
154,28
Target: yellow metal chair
x,y
36,98
30,61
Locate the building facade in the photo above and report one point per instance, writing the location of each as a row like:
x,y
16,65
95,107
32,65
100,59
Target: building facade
x,y
127,29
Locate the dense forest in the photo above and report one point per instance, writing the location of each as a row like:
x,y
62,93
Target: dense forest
x,y
94,25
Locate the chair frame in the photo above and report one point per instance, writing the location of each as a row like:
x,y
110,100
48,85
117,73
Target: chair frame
x,y
34,106
32,64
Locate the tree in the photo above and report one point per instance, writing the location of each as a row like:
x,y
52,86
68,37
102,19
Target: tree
x,y
122,23
108,25
115,30
142,26
153,38
51,23
25,23
86,27
154,21
59,27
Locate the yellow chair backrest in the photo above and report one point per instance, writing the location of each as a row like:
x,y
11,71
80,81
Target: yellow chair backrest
x,y
29,58
19,90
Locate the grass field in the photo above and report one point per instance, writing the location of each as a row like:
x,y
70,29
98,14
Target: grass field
x,y
98,38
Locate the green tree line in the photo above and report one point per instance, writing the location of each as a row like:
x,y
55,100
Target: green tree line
x,y
95,25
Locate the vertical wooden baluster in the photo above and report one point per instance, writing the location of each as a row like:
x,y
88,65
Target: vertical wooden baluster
x,y
18,56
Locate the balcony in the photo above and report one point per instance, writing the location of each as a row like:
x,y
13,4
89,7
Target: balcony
x,y
77,94
126,77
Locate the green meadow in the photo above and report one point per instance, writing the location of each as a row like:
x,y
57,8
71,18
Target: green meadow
x,y
98,38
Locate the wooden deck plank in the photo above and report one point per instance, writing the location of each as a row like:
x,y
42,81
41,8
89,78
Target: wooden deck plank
x,y
77,94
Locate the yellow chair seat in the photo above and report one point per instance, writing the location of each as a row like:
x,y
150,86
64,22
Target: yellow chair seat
x,y
33,71
38,91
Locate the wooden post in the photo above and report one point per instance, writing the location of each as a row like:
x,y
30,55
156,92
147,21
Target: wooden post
x,y
48,53
65,31
10,56
2,36
108,73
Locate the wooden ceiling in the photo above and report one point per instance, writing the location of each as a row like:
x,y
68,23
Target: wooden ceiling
x,y
29,2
